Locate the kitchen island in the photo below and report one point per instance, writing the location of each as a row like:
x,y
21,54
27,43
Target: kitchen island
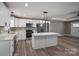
x,y
42,40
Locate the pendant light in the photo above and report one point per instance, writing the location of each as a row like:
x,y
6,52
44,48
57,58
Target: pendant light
x,y
45,18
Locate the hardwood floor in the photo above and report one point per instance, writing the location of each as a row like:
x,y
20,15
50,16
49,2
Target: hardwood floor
x,y
66,47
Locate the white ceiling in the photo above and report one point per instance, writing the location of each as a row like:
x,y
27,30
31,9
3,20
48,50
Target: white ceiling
x,y
35,9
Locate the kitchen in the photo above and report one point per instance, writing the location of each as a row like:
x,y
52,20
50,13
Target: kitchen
x,y
33,28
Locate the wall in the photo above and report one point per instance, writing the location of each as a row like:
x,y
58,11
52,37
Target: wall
x,y
57,26
74,30
67,28
1,29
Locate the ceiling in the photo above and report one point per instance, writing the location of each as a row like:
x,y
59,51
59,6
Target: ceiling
x,y
35,9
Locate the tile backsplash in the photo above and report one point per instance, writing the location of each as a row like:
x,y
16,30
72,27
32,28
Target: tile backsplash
x,y
2,29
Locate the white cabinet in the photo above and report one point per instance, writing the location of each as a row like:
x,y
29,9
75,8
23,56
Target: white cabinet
x,y
12,22
22,23
37,42
2,21
16,22
12,47
42,41
34,22
21,34
4,15
51,40
19,22
7,44
6,47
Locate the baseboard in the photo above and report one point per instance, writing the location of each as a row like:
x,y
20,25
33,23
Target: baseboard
x,y
68,35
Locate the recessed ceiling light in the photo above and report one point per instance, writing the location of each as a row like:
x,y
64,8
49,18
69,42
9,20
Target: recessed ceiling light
x,y
26,5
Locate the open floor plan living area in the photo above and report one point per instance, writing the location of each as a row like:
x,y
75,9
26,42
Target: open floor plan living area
x,y
39,28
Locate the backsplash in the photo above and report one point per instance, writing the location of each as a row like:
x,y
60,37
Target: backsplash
x,y
2,29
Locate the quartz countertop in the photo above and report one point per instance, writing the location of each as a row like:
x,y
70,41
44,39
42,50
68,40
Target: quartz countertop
x,y
46,33
6,36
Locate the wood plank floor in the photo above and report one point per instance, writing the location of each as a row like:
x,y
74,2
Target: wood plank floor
x,y
66,47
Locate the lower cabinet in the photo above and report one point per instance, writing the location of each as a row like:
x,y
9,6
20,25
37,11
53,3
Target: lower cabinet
x,y
4,48
38,42
21,35
11,48
7,47
51,40
44,41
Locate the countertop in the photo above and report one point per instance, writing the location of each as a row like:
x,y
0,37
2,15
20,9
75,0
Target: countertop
x,y
46,33
6,36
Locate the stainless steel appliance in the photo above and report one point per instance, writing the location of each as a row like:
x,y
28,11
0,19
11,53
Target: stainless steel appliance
x,y
29,30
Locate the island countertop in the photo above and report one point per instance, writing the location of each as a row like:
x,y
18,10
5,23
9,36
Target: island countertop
x,y
46,33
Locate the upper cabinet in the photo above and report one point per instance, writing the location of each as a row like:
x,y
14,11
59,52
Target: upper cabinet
x,y
22,22
16,22
34,22
12,22
4,15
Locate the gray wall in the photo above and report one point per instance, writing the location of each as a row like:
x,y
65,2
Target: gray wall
x,y
74,30
64,28
57,26
67,27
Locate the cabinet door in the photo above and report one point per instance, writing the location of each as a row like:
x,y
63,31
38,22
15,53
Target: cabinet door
x,y
39,42
34,24
11,47
2,21
51,40
4,14
22,23
16,22
4,48
12,21
23,34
